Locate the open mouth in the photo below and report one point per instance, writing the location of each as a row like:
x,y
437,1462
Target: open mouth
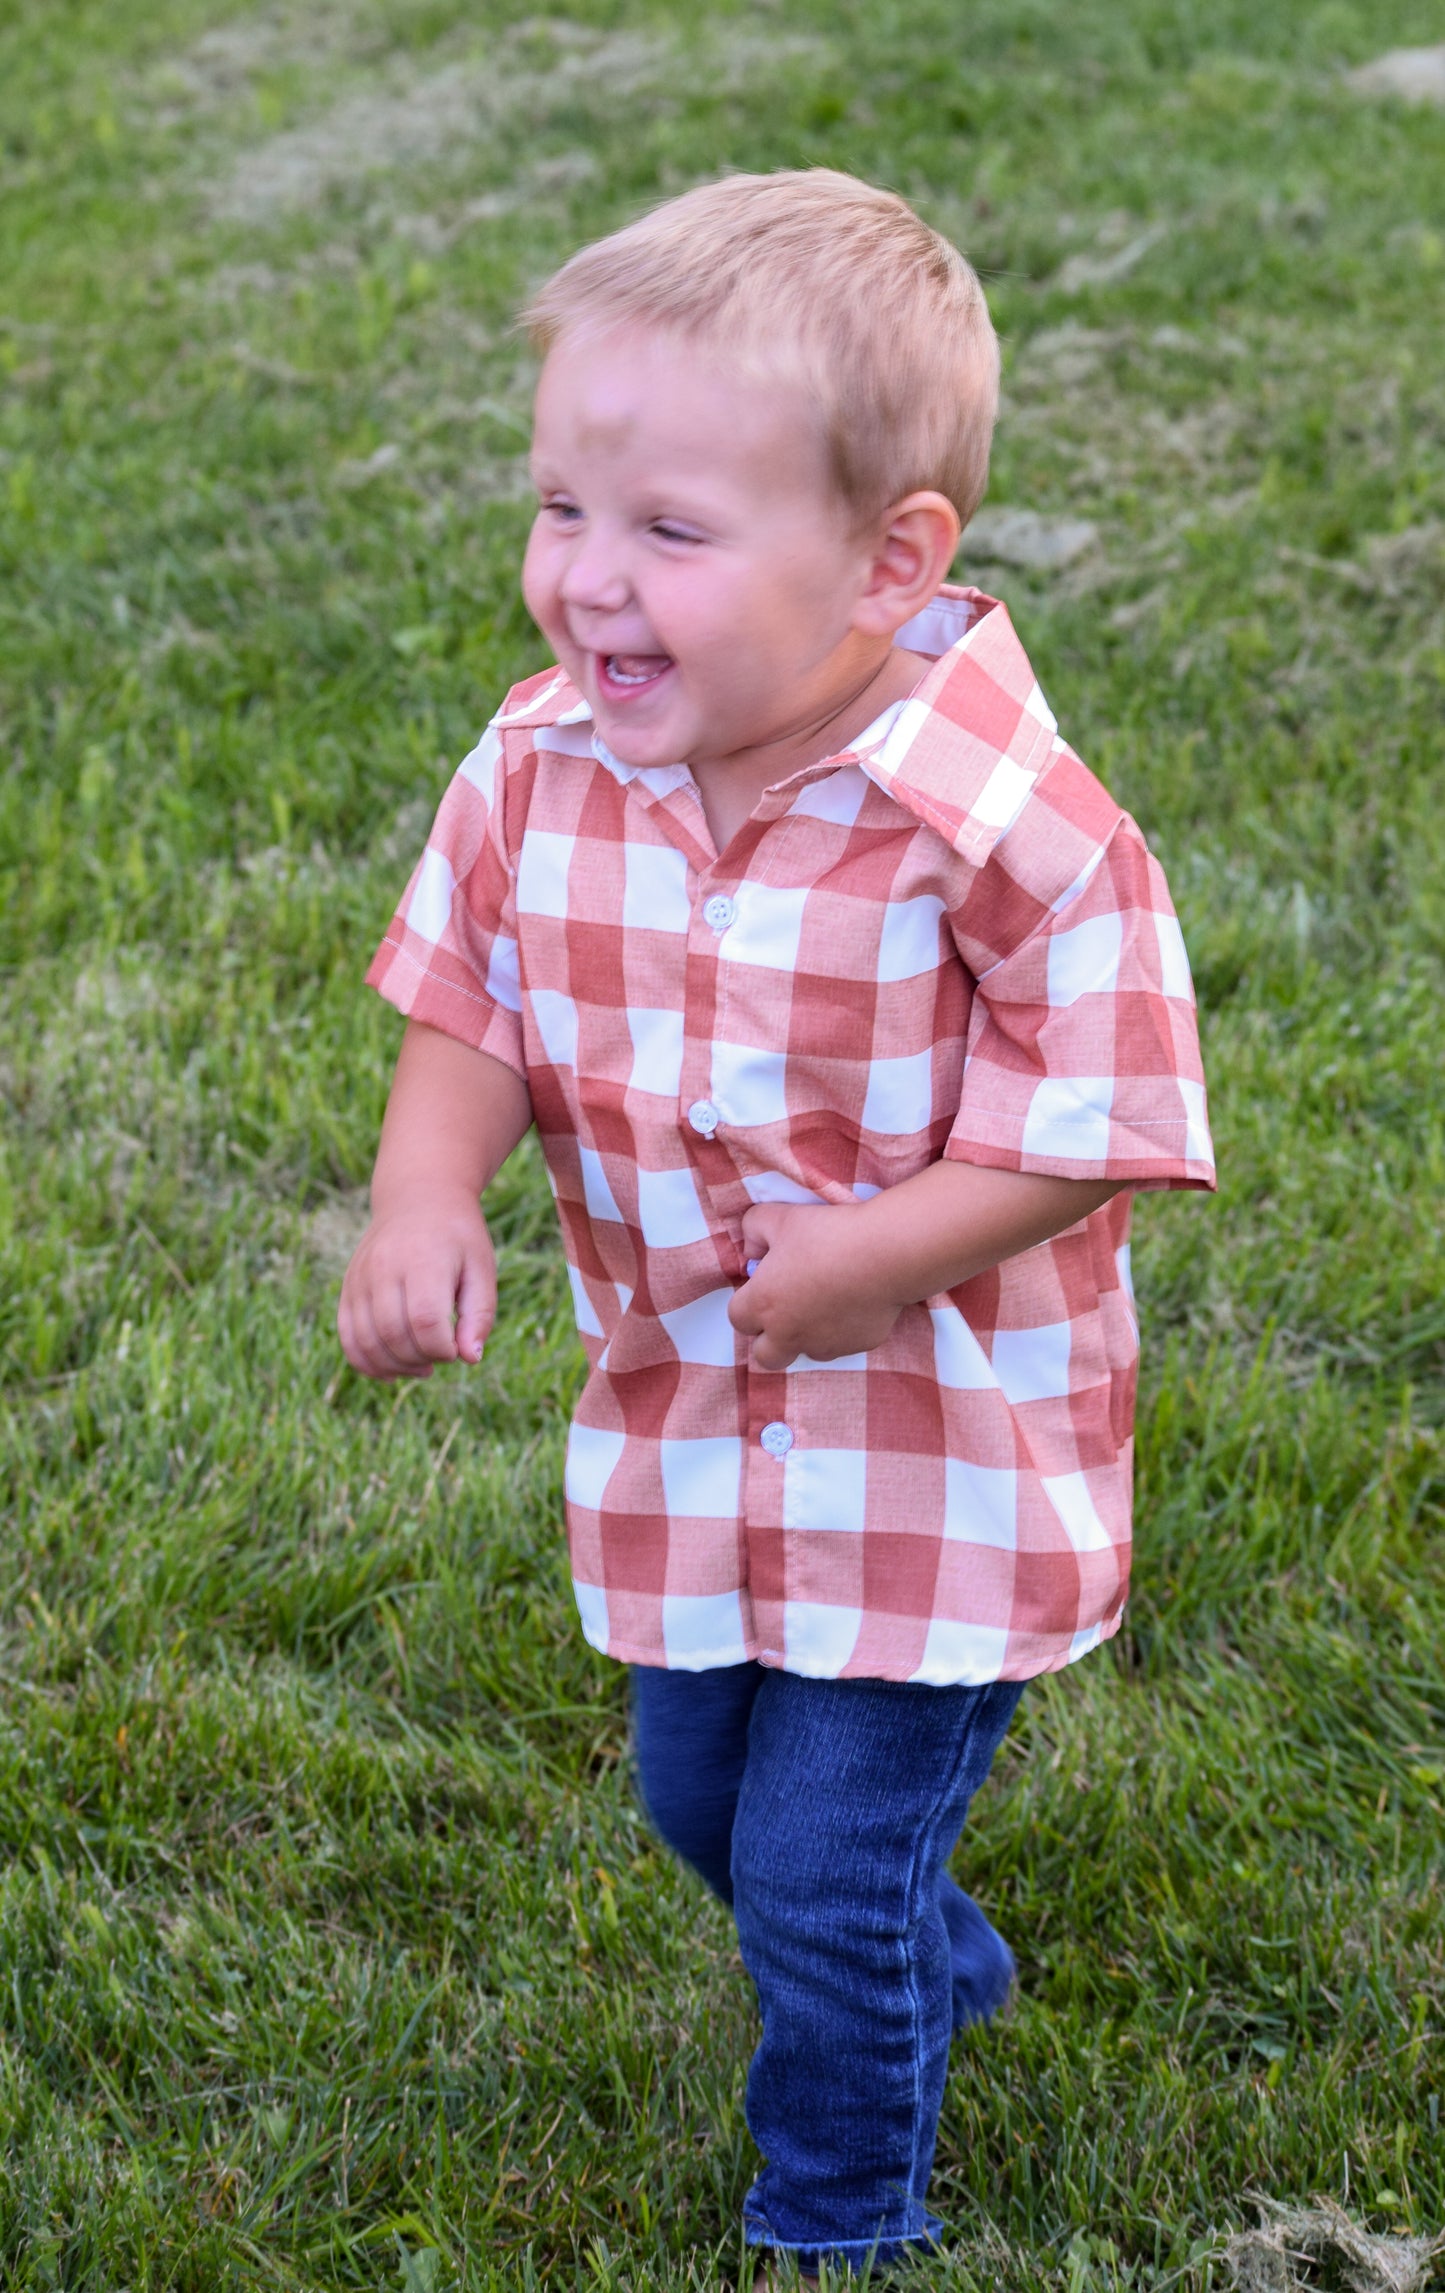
x,y
622,676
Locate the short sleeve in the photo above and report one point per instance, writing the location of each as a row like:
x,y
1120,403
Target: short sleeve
x,y
1082,1058
449,956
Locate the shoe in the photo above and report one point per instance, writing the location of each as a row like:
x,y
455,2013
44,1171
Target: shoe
x,y
981,1962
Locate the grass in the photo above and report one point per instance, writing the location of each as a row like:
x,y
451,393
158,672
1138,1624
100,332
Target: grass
x,y
333,1951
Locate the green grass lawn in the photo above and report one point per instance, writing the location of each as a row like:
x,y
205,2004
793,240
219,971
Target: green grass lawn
x,y
333,1949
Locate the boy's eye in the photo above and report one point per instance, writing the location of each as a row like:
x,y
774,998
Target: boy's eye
x,y
561,512
677,533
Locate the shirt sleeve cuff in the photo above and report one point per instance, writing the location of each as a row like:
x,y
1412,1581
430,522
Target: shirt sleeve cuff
x,y
465,1011
1147,1163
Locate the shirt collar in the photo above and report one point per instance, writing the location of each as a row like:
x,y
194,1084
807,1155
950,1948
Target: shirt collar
x,y
968,745
961,753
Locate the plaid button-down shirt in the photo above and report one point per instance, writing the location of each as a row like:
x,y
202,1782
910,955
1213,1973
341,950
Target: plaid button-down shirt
x,y
948,941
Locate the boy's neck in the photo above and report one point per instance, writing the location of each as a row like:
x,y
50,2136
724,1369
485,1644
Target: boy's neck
x,y
731,786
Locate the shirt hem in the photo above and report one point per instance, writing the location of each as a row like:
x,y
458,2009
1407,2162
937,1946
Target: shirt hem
x,y
649,1658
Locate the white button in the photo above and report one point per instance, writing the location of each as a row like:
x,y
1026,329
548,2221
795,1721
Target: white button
x,y
719,911
704,1117
776,1438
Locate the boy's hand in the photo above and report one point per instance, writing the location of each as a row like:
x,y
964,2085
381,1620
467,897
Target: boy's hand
x,y
422,1288
833,1279
806,1296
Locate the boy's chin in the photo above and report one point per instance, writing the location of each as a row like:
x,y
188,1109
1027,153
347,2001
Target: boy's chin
x,y
635,744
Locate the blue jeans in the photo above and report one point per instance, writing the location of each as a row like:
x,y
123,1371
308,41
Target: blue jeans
x,y
824,1811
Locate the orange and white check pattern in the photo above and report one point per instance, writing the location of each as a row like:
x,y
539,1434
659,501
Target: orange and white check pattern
x,y
949,941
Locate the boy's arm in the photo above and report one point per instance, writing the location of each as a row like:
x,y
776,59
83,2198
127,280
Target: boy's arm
x,y
422,1287
833,1280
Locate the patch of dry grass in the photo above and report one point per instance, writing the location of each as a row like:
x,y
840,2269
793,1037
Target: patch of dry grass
x,y
1319,2249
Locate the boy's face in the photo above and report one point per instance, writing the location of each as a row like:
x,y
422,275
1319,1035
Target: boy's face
x,y
690,564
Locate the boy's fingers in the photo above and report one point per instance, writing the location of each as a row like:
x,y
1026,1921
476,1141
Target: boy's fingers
x,y
743,1314
430,1327
398,1337
391,1327
760,1228
769,1354
398,1323
366,1353
476,1309
389,1341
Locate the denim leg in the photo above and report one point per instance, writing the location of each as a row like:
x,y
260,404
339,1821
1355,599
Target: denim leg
x,y
853,1794
690,1739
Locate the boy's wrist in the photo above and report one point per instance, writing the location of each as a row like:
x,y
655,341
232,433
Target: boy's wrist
x,y
415,1195
863,1255
884,1261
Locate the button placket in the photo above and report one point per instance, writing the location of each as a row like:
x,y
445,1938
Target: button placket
x,y
701,1116
718,911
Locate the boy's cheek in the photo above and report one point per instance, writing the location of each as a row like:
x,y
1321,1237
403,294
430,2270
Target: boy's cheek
x,y
539,589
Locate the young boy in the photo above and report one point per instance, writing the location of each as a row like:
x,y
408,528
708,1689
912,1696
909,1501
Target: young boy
x,y
849,1008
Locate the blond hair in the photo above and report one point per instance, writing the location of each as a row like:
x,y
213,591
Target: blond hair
x,y
811,277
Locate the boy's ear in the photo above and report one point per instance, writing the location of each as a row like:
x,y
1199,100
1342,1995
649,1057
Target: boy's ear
x,y
912,547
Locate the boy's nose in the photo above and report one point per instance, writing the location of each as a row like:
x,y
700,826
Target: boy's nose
x,y
594,580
